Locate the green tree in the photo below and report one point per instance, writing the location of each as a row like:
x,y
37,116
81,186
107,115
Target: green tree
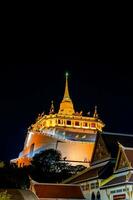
x,y
48,166
47,160
5,196
13,177
2,164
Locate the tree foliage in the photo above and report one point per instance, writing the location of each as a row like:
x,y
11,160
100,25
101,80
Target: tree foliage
x,y
13,177
5,196
48,166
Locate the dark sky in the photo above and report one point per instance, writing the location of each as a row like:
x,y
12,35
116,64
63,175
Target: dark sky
x,y
27,89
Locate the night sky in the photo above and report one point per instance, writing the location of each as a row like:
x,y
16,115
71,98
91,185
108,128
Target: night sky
x,y
27,89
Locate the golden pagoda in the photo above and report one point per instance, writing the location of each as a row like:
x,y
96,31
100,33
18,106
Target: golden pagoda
x,y
67,131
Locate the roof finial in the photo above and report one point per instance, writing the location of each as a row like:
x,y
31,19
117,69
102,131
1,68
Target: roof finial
x,y
95,113
51,108
66,93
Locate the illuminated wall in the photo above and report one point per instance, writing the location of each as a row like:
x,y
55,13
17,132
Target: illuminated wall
x,y
77,132
76,151
37,141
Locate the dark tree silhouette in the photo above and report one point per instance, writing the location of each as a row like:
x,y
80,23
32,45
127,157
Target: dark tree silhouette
x,y
48,166
13,177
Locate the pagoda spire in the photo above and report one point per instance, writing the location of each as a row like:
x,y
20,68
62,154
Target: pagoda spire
x,y
66,93
66,106
51,108
95,112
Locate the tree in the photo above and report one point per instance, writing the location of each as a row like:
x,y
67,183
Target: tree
x,y
5,196
13,177
48,166
2,164
47,160
77,168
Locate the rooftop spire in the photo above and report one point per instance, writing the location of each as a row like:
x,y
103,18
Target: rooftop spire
x,y
66,93
95,112
51,108
66,106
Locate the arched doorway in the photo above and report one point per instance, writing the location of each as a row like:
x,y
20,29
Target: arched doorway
x,y
92,196
98,196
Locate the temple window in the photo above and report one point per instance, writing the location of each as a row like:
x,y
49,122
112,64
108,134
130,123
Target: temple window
x,y
97,184
68,122
87,186
60,121
92,185
85,124
83,186
76,123
93,125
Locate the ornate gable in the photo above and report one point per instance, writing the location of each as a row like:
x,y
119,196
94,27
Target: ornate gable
x,y
122,161
100,151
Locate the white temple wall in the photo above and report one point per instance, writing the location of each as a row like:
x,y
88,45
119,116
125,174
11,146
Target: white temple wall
x,y
124,192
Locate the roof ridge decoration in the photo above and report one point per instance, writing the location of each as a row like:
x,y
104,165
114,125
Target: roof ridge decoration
x,y
122,160
100,152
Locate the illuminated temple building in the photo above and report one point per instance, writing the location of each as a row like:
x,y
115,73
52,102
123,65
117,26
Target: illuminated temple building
x,y
67,131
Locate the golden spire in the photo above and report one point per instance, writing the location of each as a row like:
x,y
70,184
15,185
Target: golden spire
x,y
66,93
95,113
51,108
66,106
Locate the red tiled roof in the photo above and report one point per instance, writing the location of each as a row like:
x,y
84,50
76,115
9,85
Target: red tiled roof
x,y
58,191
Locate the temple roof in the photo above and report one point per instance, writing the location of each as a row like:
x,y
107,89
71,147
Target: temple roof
x,y
118,180
112,139
62,191
123,168
124,159
98,171
111,145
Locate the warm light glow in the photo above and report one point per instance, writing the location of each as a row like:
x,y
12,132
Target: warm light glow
x,y
67,74
29,138
74,132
